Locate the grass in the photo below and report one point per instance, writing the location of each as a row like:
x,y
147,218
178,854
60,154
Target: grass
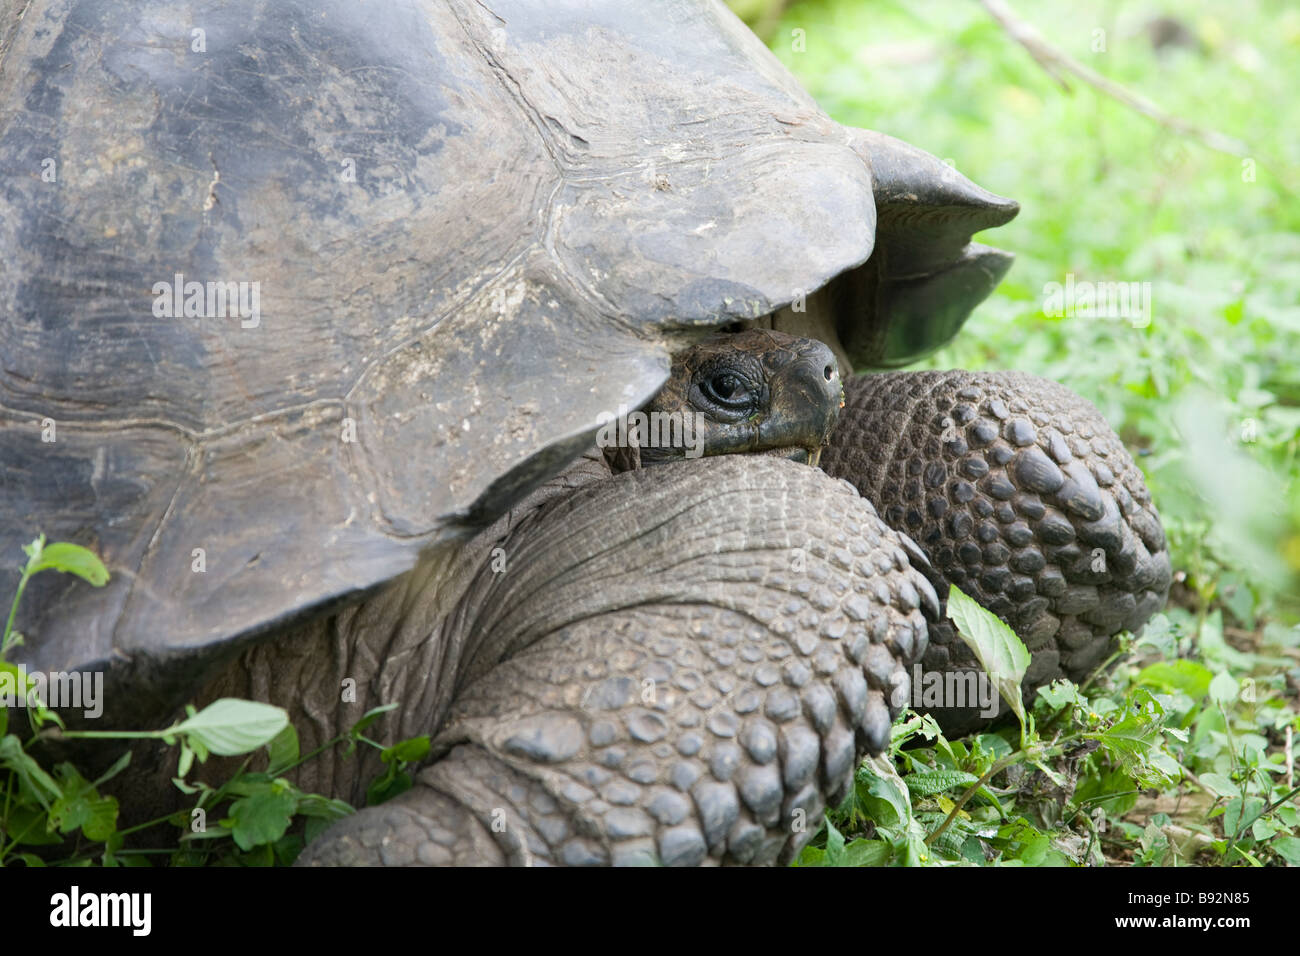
x,y
1206,394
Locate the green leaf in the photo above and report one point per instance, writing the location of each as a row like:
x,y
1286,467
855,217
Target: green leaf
x,y
230,727
261,818
407,751
283,750
1182,675
1110,789
80,806
27,825
951,842
1238,811
936,781
1000,652
1224,689
1220,785
71,559
315,806
119,765
866,853
1135,739
1029,844
392,784
1214,648
834,845
287,848
368,718
33,781
183,787
1288,848
883,800
1061,693
100,821
9,683
314,828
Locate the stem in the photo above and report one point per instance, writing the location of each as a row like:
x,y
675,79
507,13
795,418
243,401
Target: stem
x,y
18,838
280,771
9,792
146,825
13,612
1242,824
1103,798
998,766
1056,63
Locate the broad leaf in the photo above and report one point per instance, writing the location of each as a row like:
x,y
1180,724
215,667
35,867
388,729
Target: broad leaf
x,y
71,559
1000,652
407,751
262,818
936,781
230,727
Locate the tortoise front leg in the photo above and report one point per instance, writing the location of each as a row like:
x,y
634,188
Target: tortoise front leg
x,y
1020,494
680,666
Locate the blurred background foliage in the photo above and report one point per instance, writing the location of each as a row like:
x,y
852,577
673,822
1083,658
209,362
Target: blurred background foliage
x,y
1207,395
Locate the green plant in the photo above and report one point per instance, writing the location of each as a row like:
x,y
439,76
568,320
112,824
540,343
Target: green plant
x,y
58,817
1056,792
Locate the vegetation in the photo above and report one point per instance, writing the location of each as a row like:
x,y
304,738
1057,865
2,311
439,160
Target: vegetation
x,y
1205,391
259,818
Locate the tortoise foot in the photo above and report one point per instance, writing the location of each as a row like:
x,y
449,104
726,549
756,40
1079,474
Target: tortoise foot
x,y
1019,493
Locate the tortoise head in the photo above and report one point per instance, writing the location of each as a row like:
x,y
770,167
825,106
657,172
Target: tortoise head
x,y
752,392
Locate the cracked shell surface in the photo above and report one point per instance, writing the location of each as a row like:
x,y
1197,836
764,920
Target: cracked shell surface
x,y
469,236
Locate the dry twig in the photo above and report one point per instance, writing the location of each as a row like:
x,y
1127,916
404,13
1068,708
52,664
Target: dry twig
x,y
1059,64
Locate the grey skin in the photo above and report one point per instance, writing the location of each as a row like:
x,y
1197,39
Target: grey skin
x,y
690,657
1014,488
677,664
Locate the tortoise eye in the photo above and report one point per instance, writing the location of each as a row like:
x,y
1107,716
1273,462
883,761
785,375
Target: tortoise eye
x,y
727,389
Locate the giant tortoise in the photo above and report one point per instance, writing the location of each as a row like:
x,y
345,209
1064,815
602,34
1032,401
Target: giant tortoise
x,y
313,311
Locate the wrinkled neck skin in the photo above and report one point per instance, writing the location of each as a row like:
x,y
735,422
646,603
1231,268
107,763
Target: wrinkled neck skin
x,y
679,664
415,643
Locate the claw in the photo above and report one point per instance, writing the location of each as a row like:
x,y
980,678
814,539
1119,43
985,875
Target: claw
x,y
929,597
914,552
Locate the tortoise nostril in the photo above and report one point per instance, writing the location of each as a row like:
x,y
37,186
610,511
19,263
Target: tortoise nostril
x,y
829,372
